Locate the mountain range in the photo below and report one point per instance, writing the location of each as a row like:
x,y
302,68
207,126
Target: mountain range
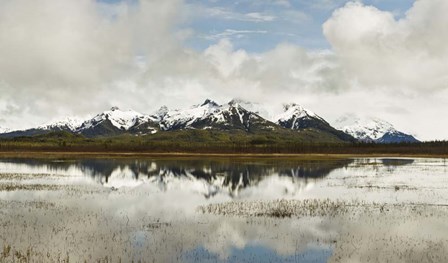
x,y
236,115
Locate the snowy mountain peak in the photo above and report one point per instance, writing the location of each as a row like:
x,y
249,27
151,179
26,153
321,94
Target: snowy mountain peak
x,y
287,106
254,107
161,113
352,119
371,129
239,103
115,112
118,118
235,102
295,117
296,111
211,115
366,129
210,102
68,123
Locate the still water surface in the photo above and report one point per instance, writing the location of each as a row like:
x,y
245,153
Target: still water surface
x,y
113,210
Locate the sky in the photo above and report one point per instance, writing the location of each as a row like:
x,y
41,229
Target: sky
x,y
380,58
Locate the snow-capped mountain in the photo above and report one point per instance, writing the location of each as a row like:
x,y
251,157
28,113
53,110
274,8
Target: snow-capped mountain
x,y
295,117
160,114
116,121
120,119
113,122
237,115
211,115
108,123
254,107
67,124
372,129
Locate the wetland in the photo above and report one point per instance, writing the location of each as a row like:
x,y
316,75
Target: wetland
x,y
223,209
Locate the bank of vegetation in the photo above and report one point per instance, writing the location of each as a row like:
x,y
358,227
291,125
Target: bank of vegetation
x,y
200,141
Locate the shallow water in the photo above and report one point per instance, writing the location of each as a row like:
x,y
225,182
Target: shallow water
x,y
112,210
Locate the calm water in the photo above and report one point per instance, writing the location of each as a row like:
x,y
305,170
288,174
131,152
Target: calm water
x,y
113,210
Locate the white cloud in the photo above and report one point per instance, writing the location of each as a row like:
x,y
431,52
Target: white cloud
x,y
224,59
259,17
234,33
228,14
64,53
381,52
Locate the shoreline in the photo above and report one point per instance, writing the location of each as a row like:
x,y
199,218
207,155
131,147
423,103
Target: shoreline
x,y
310,156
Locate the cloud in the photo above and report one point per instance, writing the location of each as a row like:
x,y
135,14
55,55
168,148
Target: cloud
x,y
58,53
234,33
222,57
259,17
228,14
379,51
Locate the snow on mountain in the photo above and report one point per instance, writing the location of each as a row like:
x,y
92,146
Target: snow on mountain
x,y
235,115
209,115
187,117
365,129
371,129
66,124
122,120
145,125
296,117
161,113
294,114
254,107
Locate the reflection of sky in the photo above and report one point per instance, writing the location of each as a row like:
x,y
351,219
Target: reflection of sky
x,y
254,253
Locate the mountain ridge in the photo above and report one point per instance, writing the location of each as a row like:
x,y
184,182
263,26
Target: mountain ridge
x,y
209,115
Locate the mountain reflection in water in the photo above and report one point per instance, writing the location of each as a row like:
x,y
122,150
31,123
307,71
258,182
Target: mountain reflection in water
x,y
231,174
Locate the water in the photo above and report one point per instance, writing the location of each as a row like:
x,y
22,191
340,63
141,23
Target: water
x,y
151,210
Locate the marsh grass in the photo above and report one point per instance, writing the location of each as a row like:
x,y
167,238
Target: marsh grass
x,y
306,208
